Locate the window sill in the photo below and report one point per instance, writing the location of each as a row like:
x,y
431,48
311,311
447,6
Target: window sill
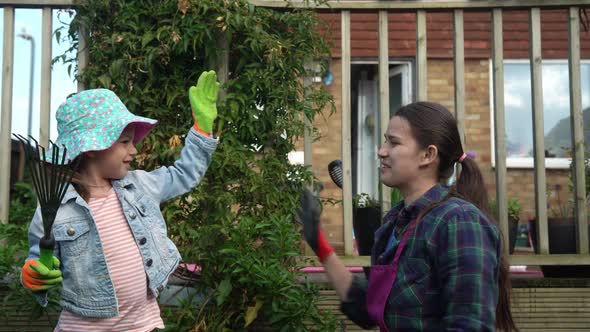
x,y
528,163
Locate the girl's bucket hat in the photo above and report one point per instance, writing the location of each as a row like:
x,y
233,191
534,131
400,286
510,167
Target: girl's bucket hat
x,y
92,120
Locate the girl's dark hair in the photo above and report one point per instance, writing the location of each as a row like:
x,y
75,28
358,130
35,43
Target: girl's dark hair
x,y
433,124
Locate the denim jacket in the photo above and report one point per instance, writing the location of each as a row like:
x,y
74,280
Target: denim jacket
x,y
87,288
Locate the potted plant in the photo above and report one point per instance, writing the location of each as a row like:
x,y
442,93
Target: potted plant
x,y
367,218
514,209
563,236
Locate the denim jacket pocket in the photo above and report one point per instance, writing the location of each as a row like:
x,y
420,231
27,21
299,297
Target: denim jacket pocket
x,y
72,237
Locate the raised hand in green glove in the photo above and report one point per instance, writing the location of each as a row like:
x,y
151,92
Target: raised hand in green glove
x,y
203,98
37,277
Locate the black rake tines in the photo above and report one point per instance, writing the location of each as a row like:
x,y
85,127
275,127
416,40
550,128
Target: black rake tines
x,y
51,178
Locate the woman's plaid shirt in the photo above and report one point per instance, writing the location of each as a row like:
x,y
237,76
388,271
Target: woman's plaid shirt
x,y
447,278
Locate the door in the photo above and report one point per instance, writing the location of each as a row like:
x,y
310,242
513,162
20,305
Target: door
x,y
366,123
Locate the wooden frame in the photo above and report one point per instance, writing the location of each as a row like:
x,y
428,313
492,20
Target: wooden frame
x,y
554,259
5,149
418,4
420,7
82,54
47,31
459,72
577,125
421,59
538,129
500,126
384,95
346,135
37,3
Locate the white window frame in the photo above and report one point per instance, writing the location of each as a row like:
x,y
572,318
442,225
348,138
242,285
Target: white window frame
x,y
528,162
406,88
407,92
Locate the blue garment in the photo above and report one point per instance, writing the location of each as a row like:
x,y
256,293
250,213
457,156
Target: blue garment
x,y
87,288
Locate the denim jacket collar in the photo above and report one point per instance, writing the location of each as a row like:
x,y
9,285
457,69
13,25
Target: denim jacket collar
x,y
71,192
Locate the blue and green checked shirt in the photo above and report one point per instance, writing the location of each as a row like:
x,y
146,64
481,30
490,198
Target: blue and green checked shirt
x,y
447,278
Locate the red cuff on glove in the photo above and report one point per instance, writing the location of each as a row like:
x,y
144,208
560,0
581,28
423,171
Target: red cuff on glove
x,y
324,248
200,131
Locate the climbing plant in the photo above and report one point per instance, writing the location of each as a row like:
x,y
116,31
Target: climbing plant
x,y
238,225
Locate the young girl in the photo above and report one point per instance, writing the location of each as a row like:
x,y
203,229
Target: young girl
x,y
436,261
110,235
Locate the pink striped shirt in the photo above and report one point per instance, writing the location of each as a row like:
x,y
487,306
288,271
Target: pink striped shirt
x,y
138,309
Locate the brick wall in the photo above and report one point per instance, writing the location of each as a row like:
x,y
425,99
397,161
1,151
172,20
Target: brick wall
x,y
477,28
329,148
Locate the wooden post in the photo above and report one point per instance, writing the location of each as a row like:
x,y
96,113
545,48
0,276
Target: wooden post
x,y
346,141
459,71
421,61
538,129
307,142
577,125
83,55
384,95
46,44
221,61
500,126
5,126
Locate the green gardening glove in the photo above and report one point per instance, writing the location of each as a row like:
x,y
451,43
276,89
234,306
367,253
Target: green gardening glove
x,y
37,277
203,98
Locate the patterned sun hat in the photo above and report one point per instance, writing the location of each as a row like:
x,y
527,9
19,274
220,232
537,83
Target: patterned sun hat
x,y
92,120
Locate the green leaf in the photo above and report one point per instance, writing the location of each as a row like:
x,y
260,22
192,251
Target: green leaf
x,y
223,291
252,312
105,81
147,38
229,251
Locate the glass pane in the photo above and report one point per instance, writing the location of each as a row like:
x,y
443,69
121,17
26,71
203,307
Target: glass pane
x,y
517,98
395,93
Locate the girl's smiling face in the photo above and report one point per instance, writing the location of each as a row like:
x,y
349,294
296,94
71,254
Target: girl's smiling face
x,y
114,162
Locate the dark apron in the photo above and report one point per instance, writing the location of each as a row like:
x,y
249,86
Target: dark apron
x,y
381,281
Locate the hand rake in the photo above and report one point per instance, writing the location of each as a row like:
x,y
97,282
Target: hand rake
x,y
51,178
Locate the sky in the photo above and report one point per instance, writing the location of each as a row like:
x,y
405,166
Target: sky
x,y
62,85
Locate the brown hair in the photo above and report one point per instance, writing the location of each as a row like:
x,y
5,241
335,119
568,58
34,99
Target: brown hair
x,y
77,181
433,124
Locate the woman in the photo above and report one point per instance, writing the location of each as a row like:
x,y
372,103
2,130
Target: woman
x,y
436,263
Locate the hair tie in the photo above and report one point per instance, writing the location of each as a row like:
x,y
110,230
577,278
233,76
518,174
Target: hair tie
x,y
469,154
453,178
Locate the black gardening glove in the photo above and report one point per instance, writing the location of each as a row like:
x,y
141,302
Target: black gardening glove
x,y
309,214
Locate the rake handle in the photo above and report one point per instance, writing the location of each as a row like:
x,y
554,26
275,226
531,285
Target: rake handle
x,y
46,252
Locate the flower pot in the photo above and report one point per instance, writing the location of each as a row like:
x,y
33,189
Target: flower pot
x,y
563,238
365,221
512,233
